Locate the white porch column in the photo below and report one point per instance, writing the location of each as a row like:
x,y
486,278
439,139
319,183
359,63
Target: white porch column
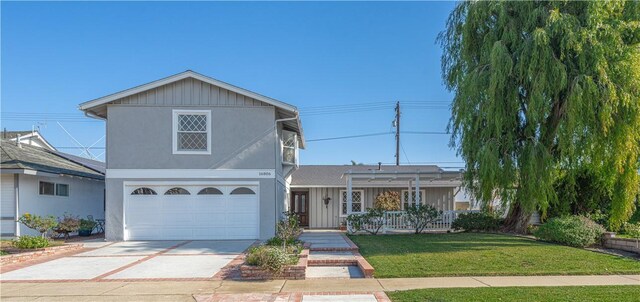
x,y
349,195
418,199
409,194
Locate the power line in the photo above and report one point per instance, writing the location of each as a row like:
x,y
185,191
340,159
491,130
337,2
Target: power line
x,y
405,153
348,137
376,134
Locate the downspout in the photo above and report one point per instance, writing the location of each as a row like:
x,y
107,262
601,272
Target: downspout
x,y
16,189
275,163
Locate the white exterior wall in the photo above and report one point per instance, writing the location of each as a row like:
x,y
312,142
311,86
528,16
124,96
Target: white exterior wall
x,y
86,197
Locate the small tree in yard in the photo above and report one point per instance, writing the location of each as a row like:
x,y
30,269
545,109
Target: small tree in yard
x,y
288,229
419,216
387,201
41,224
371,221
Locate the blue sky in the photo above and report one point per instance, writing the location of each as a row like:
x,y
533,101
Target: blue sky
x,y
337,56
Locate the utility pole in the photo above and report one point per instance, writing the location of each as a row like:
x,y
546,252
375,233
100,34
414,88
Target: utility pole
x,y
397,124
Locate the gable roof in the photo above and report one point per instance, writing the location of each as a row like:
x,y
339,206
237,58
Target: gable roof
x,y
26,157
13,135
285,110
331,175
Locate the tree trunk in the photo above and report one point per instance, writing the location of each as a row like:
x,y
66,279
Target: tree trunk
x,y
517,220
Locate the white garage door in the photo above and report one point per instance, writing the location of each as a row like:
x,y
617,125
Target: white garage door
x,y
196,212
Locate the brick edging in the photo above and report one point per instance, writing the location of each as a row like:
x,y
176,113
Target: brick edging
x,y
364,265
626,244
38,253
290,272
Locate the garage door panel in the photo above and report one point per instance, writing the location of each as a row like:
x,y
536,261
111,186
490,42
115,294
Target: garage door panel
x,y
144,233
164,217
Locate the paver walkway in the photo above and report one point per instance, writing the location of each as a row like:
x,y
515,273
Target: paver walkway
x,y
187,290
332,255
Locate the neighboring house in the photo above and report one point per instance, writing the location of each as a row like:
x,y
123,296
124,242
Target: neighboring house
x,y
191,157
32,138
40,181
319,192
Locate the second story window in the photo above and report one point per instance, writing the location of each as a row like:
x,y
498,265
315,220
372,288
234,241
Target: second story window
x,y
289,148
191,132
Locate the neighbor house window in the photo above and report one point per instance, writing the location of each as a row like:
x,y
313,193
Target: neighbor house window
x,y
47,188
405,198
62,189
357,196
192,132
50,188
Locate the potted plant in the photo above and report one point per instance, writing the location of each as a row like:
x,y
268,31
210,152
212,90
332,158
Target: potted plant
x,y
67,224
343,225
86,227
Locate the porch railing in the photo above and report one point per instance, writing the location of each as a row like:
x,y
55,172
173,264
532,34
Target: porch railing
x,y
397,221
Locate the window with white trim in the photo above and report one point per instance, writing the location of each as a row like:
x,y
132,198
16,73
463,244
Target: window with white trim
x,y
289,148
405,198
53,189
357,197
191,132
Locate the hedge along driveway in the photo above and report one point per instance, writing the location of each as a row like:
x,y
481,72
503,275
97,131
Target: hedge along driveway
x,y
476,254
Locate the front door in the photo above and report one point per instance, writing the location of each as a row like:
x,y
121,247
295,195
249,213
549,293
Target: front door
x,y
300,206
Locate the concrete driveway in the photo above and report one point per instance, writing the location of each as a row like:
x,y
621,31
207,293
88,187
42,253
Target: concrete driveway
x,y
136,261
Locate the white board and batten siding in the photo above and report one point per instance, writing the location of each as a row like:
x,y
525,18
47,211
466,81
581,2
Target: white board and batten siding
x,y
329,216
7,205
190,92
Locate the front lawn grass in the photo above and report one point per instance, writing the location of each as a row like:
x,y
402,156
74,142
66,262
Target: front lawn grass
x,y
557,294
476,254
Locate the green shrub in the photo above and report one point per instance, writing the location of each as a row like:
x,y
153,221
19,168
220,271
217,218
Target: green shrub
x,y
87,224
577,231
288,229
631,229
477,222
270,258
42,224
371,221
421,215
30,242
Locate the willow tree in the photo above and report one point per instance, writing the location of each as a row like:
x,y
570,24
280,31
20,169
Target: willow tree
x,y
542,88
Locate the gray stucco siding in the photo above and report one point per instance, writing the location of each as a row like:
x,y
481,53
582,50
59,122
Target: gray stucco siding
x,y
115,203
141,137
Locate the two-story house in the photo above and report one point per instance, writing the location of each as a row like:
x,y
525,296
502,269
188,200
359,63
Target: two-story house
x,y
191,157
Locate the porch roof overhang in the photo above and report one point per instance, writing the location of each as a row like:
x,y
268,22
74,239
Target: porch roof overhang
x,y
377,176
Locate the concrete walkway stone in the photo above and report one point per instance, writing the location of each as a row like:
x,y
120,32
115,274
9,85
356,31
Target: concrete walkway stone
x,y
350,271
340,298
279,290
435,282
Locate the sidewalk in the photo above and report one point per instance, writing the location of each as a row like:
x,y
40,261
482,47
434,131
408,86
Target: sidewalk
x,y
185,291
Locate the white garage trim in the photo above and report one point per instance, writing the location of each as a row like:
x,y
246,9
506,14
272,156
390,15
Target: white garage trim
x,y
190,173
172,219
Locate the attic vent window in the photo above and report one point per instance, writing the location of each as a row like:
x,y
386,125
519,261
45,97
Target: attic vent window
x,y
191,132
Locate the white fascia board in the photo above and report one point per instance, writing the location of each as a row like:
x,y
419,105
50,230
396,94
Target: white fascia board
x,y
180,76
445,184
190,173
